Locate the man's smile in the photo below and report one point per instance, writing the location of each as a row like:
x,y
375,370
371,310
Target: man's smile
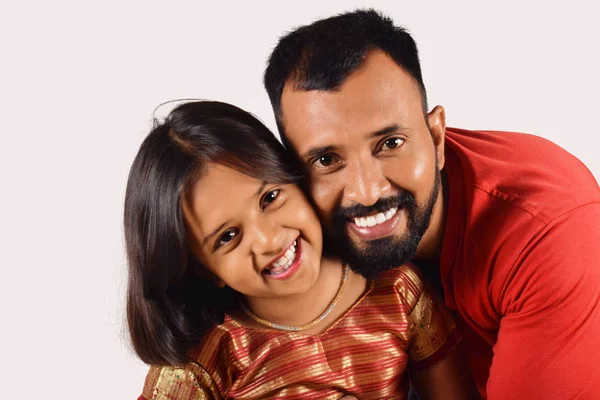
x,y
376,226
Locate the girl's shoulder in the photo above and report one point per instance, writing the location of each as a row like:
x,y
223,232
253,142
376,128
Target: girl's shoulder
x,y
404,281
216,341
407,274
190,381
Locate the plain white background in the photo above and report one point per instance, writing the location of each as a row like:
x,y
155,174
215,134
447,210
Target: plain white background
x,y
79,81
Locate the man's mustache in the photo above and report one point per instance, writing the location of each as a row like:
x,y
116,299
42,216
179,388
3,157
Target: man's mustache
x,y
401,200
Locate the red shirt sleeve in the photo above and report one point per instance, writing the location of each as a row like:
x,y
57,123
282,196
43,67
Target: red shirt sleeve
x,y
549,339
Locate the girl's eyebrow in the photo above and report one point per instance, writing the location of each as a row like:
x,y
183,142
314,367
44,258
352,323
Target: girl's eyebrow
x,y
261,188
213,233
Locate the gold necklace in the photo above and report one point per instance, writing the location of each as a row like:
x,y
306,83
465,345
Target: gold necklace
x,y
309,325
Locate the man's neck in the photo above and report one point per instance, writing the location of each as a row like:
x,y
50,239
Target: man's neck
x,y
430,247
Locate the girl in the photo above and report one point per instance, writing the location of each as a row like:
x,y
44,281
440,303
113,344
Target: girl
x,y
231,296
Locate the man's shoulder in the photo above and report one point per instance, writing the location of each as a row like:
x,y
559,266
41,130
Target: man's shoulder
x,y
521,170
513,190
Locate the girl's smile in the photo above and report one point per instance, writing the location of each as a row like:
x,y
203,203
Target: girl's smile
x,y
287,264
261,239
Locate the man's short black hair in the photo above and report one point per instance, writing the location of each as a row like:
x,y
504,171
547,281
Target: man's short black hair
x,y
322,55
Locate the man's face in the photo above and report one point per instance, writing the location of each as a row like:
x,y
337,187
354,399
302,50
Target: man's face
x,y
373,163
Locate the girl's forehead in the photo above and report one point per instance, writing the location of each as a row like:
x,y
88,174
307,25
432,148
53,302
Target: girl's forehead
x,y
218,180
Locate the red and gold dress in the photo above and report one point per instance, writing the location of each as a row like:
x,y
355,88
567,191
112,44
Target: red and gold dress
x,y
365,353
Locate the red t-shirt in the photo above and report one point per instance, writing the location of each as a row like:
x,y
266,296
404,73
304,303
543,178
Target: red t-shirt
x,y
520,264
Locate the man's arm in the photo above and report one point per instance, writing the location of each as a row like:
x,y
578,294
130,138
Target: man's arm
x,y
549,339
449,379
437,366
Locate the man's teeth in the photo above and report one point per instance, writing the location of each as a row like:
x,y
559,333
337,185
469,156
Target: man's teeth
x,y
286,261
375,219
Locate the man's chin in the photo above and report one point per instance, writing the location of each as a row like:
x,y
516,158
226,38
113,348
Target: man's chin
x,y
373,257
364,246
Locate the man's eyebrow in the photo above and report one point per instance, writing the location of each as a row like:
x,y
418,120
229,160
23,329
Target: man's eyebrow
x,y
317,152
387,130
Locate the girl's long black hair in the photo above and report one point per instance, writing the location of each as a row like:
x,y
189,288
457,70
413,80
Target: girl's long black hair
x,y
169,305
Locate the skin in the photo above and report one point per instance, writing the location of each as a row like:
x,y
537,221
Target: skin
x,y
237,233
369,140
366,141
450,379
237,236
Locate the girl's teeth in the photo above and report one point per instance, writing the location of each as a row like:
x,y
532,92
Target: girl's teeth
x,y
285,261
281,269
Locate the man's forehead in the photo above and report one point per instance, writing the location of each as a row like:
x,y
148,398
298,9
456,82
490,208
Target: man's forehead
x,y
321,106
335,107
379,94
319,124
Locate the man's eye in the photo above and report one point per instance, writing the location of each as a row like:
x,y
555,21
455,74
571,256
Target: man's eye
x,y
269,197
392,143
325,161
227,237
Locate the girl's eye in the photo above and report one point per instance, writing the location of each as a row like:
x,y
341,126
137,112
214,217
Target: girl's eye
x,y
227,237
269,198
392,143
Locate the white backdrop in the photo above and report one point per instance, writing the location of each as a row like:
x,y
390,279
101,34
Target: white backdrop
x,y
78,83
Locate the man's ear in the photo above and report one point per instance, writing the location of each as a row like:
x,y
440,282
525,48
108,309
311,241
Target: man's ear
x,y
437,127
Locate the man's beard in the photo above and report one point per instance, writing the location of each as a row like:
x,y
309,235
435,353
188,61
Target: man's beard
x,y
375,256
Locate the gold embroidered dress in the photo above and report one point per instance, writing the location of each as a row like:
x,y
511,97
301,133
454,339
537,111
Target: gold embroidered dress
x,y
366,352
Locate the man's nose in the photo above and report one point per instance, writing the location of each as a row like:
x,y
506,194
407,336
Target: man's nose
x,y
365,183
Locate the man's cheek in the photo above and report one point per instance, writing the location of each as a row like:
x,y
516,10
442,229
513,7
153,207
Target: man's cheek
x,y
324,199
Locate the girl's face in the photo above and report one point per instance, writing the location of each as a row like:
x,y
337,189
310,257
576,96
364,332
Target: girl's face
x,y
261,239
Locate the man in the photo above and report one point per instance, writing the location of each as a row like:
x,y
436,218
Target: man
x,y
507,225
